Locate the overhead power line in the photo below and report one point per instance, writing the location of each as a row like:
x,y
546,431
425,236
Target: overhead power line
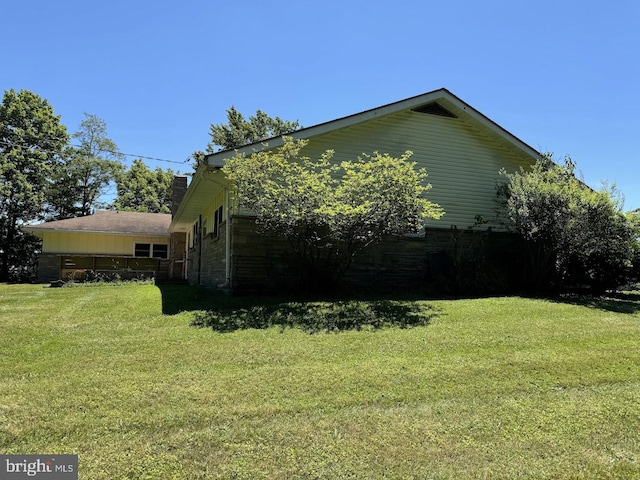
x,y
143,156
113,152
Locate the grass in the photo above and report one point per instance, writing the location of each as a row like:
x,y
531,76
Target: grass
x,y
473,388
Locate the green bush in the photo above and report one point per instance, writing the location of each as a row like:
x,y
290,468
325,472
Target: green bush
x,y
575,237
90,277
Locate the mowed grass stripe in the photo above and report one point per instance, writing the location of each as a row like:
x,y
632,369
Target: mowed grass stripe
x,y
489,388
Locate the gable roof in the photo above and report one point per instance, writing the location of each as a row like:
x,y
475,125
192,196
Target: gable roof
x,y
109,222
443,98
438,102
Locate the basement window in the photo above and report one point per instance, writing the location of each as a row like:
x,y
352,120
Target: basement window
x,y
434,108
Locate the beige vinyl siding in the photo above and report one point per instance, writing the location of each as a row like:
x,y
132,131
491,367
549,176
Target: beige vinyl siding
x,y
463,163
94,243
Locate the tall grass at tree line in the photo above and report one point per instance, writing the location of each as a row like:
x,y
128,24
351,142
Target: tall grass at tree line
x,y
474,388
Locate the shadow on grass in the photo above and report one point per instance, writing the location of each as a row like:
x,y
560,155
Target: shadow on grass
x,y
223,313
619,302
178,298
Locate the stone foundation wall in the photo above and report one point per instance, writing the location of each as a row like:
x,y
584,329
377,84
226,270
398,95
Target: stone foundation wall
x,y
262,262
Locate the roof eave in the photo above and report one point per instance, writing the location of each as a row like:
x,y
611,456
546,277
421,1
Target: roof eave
x,y
35,231
197,198
177,222
491,125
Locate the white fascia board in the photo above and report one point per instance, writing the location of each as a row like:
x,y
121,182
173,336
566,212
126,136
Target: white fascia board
x,y
485,121
97,232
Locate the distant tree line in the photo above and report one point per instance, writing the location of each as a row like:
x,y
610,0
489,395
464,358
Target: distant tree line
x,y
47,174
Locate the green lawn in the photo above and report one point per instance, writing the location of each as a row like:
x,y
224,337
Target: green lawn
x,y
477,388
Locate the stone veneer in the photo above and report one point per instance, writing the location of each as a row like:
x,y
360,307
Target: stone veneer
x,y
264,263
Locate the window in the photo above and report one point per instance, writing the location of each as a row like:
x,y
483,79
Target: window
x,y
217,221
196,239
160,251
142,250
149,250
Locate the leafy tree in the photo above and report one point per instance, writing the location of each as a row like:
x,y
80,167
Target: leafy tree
x,y
330,212
574,235
31,139
85,172
238,131
143,190
634,218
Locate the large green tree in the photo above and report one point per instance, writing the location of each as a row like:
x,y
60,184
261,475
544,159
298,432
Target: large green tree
x,y
86,171
238,131
330,211
31,141
141,189
575,236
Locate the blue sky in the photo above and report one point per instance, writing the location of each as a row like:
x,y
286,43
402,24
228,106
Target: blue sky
x,y
561,75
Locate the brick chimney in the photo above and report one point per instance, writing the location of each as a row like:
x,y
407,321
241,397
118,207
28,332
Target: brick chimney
x,y
179,190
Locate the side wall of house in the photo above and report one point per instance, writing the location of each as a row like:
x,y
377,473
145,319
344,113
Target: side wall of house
x,y
206,259
462,162
206,245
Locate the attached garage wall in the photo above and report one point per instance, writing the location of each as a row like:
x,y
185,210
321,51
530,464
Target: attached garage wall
x,y
71,255
94,243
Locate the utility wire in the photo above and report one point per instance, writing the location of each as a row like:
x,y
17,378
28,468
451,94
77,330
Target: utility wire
x,y
142,156
113,152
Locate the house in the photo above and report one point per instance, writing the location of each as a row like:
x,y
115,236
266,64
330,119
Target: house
x,y
129,244
462,150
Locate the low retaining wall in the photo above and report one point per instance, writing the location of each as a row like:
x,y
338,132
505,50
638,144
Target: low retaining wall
x,y
53,266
